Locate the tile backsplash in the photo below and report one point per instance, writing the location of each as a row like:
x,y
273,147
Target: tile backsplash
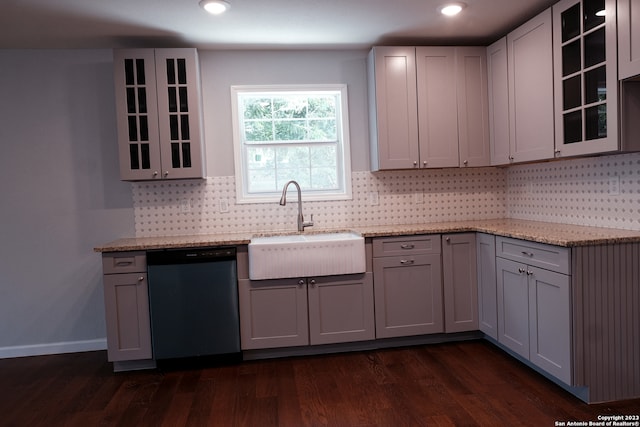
x,y
403,197
578,191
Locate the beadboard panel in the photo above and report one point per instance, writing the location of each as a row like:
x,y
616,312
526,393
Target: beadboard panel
x,y
606,297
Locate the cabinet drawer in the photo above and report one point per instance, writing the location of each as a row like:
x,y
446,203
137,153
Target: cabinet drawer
x,y
414,245
549,257
124,262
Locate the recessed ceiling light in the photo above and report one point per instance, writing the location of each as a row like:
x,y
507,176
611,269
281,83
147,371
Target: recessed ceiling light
x,y
452,9
215,7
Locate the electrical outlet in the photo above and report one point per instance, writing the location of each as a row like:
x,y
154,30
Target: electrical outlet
x,y
224,205
374,200
185,205
614,185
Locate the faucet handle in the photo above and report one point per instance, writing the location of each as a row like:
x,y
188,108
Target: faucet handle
x,y
308,223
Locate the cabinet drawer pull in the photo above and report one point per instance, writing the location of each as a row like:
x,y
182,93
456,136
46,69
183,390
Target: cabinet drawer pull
x,y
407,246
529,254
406,261
124,263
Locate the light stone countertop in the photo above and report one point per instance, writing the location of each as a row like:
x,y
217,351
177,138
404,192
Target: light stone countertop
x,y
543,232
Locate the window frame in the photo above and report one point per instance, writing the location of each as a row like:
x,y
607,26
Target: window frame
x,y
343,167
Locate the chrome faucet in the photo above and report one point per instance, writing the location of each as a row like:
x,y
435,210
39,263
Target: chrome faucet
x,y
283,202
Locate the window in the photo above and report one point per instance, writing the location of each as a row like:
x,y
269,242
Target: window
x,y
284,133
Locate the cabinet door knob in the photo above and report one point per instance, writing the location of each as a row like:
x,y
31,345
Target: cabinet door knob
x,y
521,270
166,174
424,163
447,239
155,173
466,162
301,282
415,163
511,158
140,279
529,273
312,282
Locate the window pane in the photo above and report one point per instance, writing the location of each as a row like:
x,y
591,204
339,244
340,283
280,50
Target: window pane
x,y
324,156
295,157
290,130
258,131
261,158
300,175
322,106
256,107
292,107
324,178
322,130
262,181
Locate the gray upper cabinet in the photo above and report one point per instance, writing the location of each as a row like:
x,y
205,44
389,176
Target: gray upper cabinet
x,y
498,87
628,37
428,107
158,108
586,77
530,75
393,114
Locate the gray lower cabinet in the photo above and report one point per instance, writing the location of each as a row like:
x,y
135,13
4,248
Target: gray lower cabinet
x,y
460,282
407,286
487,291
126,296
297,312
534,304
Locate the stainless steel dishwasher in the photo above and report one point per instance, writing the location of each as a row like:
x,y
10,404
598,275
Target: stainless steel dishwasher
x,y
193,299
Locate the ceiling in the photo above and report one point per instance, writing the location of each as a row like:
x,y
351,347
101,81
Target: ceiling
x,y
255,24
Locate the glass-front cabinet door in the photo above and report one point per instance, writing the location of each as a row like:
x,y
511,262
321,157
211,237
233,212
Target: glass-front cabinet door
x,y
585,77
158,114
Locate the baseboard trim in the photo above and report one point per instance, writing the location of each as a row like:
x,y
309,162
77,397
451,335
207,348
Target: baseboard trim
x,y
53,348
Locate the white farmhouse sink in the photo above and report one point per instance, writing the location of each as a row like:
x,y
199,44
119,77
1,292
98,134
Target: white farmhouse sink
x,y
306,255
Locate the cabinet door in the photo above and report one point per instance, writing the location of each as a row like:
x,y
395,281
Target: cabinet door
x,y
126,298
179,112
586,77
273,313
498,88
530,67
408,295
460,282
340,309
473,106
513,306
628,37
550,322
487,291
393,108
437,107
137,114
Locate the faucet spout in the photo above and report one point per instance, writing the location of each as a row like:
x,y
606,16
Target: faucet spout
x,y
283,202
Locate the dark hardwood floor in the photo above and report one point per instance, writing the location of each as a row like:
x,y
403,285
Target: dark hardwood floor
x,y
457,384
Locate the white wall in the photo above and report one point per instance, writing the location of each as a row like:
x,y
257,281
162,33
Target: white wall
x,y
222,69
61,196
